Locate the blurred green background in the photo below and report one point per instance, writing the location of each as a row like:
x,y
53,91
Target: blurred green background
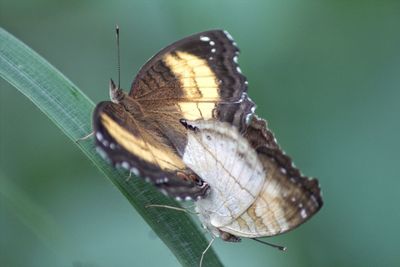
x,y
326,75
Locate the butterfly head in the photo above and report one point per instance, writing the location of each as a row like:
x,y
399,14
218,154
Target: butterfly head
x,y
116,94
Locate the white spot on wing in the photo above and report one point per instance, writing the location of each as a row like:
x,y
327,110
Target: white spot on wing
x,y
303,213
105,143
250,115
99,136
134,171
204,38
125,165
212,43
213,50
227,34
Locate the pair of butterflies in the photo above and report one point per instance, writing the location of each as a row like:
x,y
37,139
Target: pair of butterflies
x,y
188,126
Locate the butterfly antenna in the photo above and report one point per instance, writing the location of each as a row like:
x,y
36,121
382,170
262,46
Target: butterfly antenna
x,y
118,57
271,245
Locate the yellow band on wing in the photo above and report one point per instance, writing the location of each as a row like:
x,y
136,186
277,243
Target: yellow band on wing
x,y
162,156
199,83
194,111
196,77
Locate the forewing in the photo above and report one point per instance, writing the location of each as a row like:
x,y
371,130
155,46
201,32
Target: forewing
x,y
143,150
200,76
287,198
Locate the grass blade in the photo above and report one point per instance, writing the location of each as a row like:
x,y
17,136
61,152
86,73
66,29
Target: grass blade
x,y
71,110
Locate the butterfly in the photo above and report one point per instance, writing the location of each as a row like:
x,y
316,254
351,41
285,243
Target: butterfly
x,y
255,190
196,78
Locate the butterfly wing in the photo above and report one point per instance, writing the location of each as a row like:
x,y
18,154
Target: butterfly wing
x,y
224,159
198,76
287,198
140,147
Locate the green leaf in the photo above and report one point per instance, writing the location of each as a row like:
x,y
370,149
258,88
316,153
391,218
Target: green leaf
x,y
71,111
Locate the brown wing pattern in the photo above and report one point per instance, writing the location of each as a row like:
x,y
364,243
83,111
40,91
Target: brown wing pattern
x,y
140,147
199,75
287,198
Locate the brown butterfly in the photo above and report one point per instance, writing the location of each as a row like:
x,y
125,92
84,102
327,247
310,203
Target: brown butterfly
x,y
196,78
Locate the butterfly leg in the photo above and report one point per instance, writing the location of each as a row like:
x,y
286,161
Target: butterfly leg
x,y
84,138
129,177
204,252
170,207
